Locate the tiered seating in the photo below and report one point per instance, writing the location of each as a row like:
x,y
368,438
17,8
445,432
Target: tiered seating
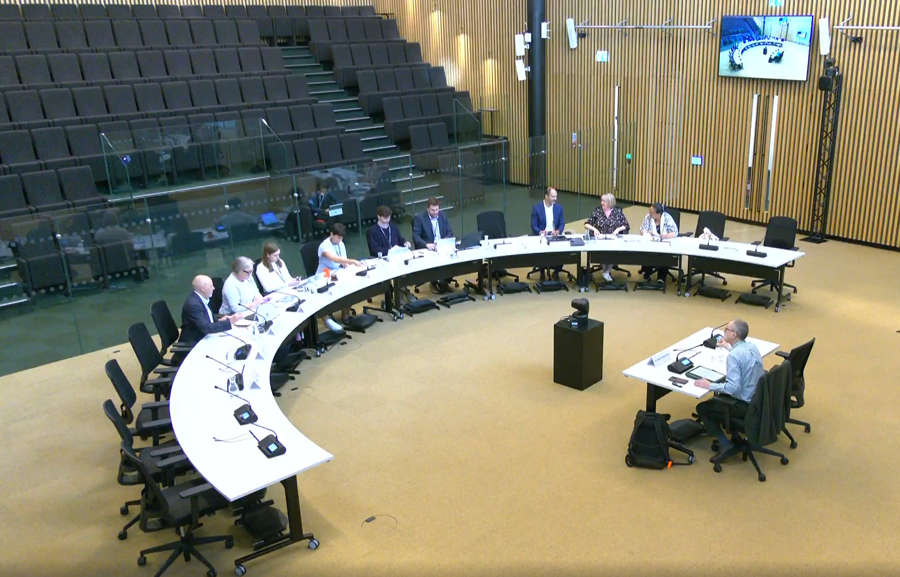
x,y
376,85
324,34
427,142
350,59
309,154
47,190
400,113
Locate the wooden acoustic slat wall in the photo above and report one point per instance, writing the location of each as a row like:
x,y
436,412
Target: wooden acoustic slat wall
x,y
473,41
673,105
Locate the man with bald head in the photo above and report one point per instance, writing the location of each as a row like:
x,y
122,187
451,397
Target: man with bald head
x,y
197,319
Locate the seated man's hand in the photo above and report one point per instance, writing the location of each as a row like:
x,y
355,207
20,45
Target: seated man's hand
x,y
407,245
235,317
701,383
543,233
724,344
430,246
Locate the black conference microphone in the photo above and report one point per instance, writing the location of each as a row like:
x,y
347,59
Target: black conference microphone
x,y
496,244
269,445
708,246
755,252
413,257
713,339
243,352
243,414
239,376
300,301
266,324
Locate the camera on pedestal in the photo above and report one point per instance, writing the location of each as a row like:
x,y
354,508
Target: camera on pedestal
x,y
579,319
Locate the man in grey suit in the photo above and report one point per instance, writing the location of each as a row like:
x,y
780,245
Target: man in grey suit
x,y
431,225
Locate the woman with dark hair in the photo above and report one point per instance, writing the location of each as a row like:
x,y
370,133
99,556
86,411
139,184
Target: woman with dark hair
x,y
607,219
658,223
272,272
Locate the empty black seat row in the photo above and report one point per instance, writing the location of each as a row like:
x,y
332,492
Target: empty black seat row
x,y
303,121
292,22
108,35
377,84
349,59
427,142
323,34
37,71
47,190
125,11
29,109
308,154
402,112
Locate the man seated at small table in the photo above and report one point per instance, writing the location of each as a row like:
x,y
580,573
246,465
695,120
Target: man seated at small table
x,y
547,216
111,231
429,227
743,369
384,235
196,317
240,292
235,216
659,225
333,256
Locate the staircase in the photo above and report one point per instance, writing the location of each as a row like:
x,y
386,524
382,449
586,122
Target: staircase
x,y
351,117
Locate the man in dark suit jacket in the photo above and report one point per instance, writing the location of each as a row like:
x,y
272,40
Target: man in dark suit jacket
x,y
384,235
321,200
426,223
539,215
197,319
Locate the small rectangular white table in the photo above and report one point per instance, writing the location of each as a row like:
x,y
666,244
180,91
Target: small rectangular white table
x,y
657,377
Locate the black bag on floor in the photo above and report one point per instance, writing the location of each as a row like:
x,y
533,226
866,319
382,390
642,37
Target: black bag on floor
x,y
509,288
650,443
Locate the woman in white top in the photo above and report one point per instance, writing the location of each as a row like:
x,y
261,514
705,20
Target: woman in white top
x,y
271,271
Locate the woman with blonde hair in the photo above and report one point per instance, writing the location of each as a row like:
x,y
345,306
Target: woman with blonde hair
x,y
607,219
272,272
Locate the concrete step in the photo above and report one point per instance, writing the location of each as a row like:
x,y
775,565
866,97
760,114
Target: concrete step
x,y
366,128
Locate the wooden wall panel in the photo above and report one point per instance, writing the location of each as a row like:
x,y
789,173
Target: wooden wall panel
x,y
473,41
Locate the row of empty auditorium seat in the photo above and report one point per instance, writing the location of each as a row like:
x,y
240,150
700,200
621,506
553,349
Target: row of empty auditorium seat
x,y
350,59
92,104
36,71
309,154
427,141
92,11
402,112
107,35
323,34
376,85
47,190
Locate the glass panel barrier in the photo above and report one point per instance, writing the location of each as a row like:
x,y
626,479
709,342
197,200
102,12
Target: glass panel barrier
x,y
121,163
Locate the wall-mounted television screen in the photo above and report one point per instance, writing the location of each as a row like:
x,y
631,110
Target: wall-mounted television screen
x,y
768,47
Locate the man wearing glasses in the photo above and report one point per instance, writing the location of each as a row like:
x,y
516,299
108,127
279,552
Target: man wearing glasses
x,y
743,369
240,288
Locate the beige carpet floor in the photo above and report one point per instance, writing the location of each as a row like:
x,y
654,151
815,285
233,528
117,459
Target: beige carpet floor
x,y
448,430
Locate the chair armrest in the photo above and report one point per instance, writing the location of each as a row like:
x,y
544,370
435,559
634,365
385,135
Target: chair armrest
x,y
724,239
172,461
181,347
165,451
725,399
685,234
155,405
782,354
164,370
194,491
159,423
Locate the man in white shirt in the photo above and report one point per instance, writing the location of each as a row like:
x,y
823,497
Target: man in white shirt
x,y
240,291
333,256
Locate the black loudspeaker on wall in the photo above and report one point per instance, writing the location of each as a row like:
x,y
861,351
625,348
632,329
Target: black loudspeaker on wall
x,y
826,83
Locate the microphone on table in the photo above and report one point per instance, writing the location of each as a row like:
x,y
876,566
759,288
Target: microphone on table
x,y
754,251
366,270
300,301
239,376
709,236
713,339
496,244
269,445
243,352
243,414
413,257
266,324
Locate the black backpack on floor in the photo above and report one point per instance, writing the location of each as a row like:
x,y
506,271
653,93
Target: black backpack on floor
x,y
650,443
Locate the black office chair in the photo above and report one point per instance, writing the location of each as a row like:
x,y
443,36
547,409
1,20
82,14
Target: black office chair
x,y
781,232
715,222
167,329
798,358
215,301
179,507
259,285
151,362
127,476
152,420
763,421
492,223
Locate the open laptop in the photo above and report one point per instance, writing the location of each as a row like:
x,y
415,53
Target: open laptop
x,y
445,245
269,219
471,240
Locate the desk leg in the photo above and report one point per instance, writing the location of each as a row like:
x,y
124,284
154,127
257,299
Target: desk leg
x,y
295,525
654,393
780,289
680,278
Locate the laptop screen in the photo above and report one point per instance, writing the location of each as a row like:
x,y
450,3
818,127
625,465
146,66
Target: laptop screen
x,y
269,218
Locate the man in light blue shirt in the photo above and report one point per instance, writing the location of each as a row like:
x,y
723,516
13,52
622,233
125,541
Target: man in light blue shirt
x,y
743,369
332,256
